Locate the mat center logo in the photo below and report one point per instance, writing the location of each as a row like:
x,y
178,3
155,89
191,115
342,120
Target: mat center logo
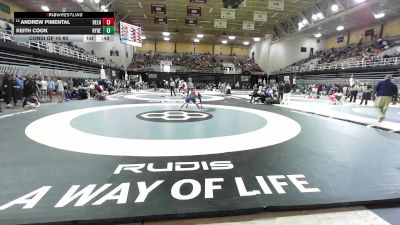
x,y
174,116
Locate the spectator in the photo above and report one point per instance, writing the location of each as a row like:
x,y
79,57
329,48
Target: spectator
x,y
20,86
50,88
280,91
8,89
172,86
228,89
286,92
254,94
1,97
43,88
29,90
60,90
367,89
386,92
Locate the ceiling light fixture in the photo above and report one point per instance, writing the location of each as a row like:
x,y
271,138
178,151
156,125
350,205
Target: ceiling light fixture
x,y
80,1
97,1
224,41
379,15
318,16
302,24
231,37
196,40
166,34
246,42
318,35
200,35
103,7
359,1
334,8
166,39
256,39
143,37
340,28
314,17
45,8
105,10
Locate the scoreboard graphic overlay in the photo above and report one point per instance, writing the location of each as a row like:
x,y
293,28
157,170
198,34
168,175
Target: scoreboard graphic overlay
x,y
64,26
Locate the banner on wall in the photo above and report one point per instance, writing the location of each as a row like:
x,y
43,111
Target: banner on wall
x,y
114,52
369,32
5,8
102,74
219,23
260,16
134,77
158,8
191,21
244,78
152,76
340,39
198,1
160,19
227,14
193,11
248,25
276,4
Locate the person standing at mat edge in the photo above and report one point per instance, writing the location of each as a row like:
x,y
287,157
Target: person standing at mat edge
x,y
286,92
1,96
172,86
386,92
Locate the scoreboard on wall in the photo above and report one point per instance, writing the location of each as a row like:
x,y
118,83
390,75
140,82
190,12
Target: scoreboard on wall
x,y
64,26
130,34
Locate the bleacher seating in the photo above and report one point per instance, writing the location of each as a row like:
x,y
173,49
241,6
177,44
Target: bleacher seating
x,y
382,52
186,62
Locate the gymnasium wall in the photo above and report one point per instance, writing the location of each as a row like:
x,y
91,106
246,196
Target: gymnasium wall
x,y
103,50
184,47
261,51
356,35
4,5
222,49
390,28
332,42
241,51
199,48
147,46
287,51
